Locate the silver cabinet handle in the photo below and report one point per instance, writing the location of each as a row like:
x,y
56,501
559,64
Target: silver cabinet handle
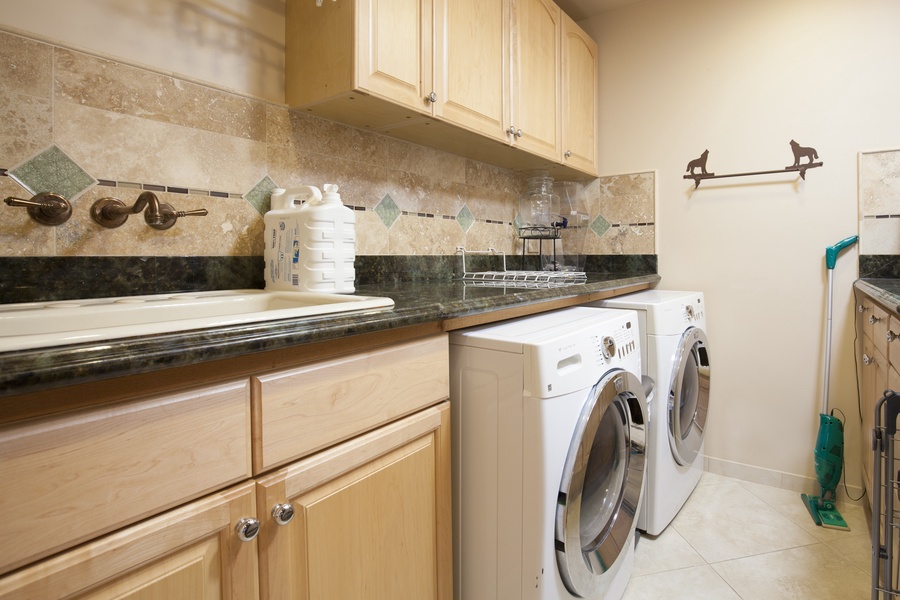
x,y
432,97
867,360
873,319
283,513
568,154
515,132
247,529
891,336
861,308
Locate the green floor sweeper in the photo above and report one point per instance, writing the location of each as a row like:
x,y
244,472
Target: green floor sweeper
x,y
829,452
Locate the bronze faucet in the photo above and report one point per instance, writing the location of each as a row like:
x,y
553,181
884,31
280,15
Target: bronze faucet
x,y
45,208
112,212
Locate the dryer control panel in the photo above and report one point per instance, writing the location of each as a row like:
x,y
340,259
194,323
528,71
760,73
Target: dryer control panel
x,y
692,312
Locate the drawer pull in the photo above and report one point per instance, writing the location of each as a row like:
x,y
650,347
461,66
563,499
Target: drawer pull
x,y
867,360
862,308
891,336
283,513
873,319
247,529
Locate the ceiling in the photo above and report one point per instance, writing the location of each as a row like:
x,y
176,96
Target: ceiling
x,y
585,9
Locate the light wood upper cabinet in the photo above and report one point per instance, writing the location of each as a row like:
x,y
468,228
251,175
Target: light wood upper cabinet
x,y
343,59
484,79
471,65
536,77
579,98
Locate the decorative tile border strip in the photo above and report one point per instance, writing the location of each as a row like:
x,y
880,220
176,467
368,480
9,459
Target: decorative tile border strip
x,y
153,187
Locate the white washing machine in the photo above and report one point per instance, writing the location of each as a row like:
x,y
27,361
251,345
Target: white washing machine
x,y
675,354
548,419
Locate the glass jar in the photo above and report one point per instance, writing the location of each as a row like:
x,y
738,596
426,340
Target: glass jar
x,y
539,205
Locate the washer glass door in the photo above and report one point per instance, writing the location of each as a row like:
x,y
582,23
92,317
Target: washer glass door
x,y
688,400
602,483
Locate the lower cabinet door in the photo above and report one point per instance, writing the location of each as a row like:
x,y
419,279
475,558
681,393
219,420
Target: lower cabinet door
x,y
190,553
369,518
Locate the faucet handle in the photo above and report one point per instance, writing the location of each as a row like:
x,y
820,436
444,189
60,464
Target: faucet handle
x,y
45,208
168,215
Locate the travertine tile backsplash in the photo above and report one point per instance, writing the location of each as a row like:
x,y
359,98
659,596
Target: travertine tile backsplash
x,y
132,128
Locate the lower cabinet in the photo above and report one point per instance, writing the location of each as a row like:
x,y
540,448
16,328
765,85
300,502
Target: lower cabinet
x,y
189,553
154,499
369,518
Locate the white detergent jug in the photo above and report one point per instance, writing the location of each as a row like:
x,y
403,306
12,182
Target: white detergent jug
x,y
327,244
282,241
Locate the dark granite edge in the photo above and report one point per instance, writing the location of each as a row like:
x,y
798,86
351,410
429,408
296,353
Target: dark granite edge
x,y
33,370
880,290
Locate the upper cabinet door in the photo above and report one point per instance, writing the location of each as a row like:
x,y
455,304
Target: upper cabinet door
x,y
579,98
536,77
395,50
471,64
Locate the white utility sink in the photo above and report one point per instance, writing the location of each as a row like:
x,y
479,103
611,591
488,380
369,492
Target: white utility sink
x,y
40,324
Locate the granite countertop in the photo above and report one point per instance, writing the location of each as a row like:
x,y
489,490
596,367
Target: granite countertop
x,y
415,303
885,291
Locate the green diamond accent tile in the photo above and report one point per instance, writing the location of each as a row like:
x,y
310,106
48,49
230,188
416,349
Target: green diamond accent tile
x,y
52,171
600,226
261,194
387,210
465,218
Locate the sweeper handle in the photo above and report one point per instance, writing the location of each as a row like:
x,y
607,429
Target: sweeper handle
x,y
831,252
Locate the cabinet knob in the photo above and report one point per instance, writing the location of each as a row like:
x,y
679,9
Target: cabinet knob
x,y
867,360
514,132
568,154
283,513
873,319
891,336
861,308
432,97
247,529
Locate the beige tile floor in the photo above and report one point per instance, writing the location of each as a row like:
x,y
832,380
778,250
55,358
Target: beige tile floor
x,y
736,540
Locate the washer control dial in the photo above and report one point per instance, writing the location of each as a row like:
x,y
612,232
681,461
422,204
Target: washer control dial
x,y
608,346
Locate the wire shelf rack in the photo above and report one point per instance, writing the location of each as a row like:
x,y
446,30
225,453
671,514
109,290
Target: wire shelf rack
x,y
517,279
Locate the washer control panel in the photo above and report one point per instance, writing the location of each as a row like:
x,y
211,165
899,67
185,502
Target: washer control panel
x,y
616,344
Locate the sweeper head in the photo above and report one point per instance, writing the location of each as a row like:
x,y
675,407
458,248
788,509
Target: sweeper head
x,y
829,458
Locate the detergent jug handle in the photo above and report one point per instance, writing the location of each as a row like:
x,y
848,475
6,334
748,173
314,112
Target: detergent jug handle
x,y
282,199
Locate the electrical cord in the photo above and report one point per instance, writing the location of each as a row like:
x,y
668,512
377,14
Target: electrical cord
x,y
843,467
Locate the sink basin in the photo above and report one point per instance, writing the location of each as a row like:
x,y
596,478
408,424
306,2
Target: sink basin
x,y
40,324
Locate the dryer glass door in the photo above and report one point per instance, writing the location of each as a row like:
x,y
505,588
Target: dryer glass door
x,y
602,483
688,400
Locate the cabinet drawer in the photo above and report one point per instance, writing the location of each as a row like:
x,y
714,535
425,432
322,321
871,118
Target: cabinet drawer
x,y
299,411
70,477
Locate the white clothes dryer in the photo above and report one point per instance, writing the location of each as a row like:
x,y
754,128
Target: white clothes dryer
x,y
675,353
548,417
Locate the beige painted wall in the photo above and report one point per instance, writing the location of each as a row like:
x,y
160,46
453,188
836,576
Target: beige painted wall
x,y
236,44
741,79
